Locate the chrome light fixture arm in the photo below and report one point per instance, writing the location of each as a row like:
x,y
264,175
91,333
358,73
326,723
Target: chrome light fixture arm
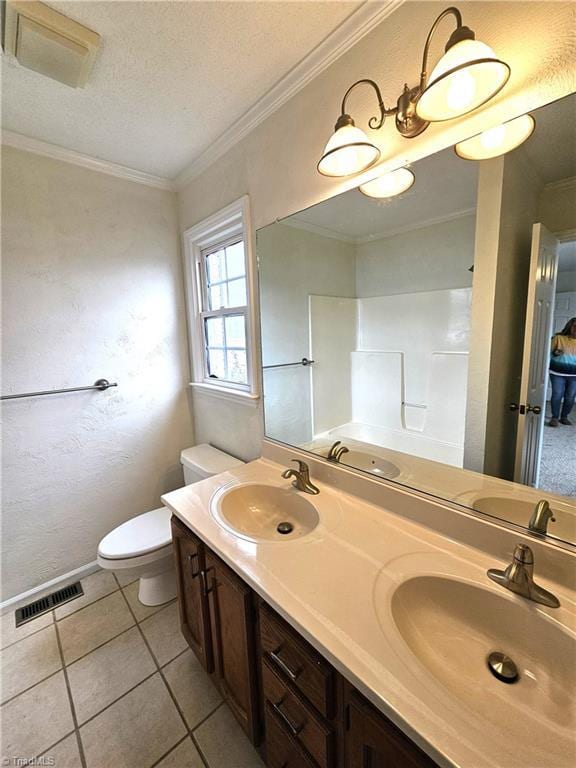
x,y
375,122
455,37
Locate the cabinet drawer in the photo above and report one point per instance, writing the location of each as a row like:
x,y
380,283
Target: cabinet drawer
x,y
282,751
297,718
290,655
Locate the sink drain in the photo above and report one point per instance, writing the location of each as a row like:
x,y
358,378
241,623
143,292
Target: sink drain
x,y
284,527
502,667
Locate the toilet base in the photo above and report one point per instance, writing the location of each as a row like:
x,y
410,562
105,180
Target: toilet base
x,y
157,589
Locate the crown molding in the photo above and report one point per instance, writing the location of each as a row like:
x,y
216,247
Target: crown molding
x,y
423,224
568,183
28,144
316,229
354,28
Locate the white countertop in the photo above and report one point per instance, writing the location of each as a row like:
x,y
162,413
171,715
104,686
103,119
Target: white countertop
x,y
335,586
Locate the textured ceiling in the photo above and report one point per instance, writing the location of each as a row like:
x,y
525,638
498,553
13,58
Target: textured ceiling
x,y
170,77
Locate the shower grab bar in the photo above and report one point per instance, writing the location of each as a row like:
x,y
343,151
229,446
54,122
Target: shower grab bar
x,y
303,362
100,384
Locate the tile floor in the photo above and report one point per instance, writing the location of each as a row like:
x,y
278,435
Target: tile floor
x,y
106,682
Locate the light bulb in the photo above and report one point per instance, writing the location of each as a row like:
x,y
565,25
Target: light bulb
x,y
389,184
467,76
498,140
348,151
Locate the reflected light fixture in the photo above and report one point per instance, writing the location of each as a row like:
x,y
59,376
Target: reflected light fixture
x,y
468,75
497,141
388,184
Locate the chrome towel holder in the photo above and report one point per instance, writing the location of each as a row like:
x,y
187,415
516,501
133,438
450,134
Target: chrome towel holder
x,y
99,384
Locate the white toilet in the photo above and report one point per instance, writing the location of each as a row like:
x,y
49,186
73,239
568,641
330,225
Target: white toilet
x,y
142,547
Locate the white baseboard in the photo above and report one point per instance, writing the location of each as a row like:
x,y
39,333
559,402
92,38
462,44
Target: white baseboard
x,y
49,586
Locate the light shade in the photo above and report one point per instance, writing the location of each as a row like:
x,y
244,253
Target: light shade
x,y
348,151
498,140
467,76
389,184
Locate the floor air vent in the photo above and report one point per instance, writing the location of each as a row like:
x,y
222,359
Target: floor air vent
x,y
38,607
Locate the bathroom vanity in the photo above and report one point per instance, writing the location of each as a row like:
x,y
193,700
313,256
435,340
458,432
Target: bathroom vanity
x,y
361,637
284,694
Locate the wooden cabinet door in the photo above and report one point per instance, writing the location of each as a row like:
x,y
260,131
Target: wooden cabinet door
x,y
372,741
194,616
233,631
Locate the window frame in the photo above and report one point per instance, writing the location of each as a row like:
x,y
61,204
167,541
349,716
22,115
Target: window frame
x,y
223,228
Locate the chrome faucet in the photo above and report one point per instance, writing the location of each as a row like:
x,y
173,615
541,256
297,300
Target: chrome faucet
x,y
519,578
335,453
540,517
301,477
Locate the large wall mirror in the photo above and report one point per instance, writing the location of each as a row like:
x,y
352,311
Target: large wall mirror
x,y
412,337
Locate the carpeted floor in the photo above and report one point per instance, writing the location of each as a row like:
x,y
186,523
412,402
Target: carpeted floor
x,y
558,462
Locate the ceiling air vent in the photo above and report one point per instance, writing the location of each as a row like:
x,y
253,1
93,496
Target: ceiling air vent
x,y
48,42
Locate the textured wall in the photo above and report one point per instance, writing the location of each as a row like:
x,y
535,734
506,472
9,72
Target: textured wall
x,y
276,163
92,287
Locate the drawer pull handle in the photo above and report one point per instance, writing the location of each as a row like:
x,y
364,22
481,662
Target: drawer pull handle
x,y
292,727
204,578
283,666
191,559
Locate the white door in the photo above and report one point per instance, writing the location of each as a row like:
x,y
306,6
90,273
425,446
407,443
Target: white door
x,y
537,334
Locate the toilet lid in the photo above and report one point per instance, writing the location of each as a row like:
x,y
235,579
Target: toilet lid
x,y
139,536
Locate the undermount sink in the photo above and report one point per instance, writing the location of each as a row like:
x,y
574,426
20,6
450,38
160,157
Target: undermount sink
x,y
452,626
369,463
260,512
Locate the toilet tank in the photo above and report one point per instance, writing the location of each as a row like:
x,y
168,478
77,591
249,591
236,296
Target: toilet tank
x,y
202,461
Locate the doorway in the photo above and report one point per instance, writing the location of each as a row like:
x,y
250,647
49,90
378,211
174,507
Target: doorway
x,y
558,457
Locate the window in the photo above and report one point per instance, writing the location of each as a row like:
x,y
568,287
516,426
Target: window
x,y
220,286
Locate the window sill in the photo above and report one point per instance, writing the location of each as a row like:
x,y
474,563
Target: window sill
x,y
224,393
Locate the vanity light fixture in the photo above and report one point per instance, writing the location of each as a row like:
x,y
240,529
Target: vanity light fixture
x,y
468,75
497,141
349,150
389,184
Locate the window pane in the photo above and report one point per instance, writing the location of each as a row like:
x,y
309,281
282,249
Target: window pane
x,y
216,366
215,331
215,267
237,368
235,262
237,293
235,331
217,296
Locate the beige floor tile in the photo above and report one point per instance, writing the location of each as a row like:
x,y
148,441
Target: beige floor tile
x,y
135,731
10,634
140,611
95,586
224,743
36,719
84,630
65,754
193,689
124,579
27,662
184,756
163,633
108,672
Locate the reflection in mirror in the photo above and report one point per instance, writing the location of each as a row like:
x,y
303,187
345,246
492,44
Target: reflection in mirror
x,y
428,319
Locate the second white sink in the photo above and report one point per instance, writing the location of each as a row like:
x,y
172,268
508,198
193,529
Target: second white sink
x,y
260,512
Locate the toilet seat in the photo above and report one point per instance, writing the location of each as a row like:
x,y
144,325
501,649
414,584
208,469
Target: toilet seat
x,y
138,537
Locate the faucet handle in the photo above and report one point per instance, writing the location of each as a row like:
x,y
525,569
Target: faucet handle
x,y
302,466
523,554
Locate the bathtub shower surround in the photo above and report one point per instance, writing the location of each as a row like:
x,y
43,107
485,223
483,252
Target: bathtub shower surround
x,y
399,372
